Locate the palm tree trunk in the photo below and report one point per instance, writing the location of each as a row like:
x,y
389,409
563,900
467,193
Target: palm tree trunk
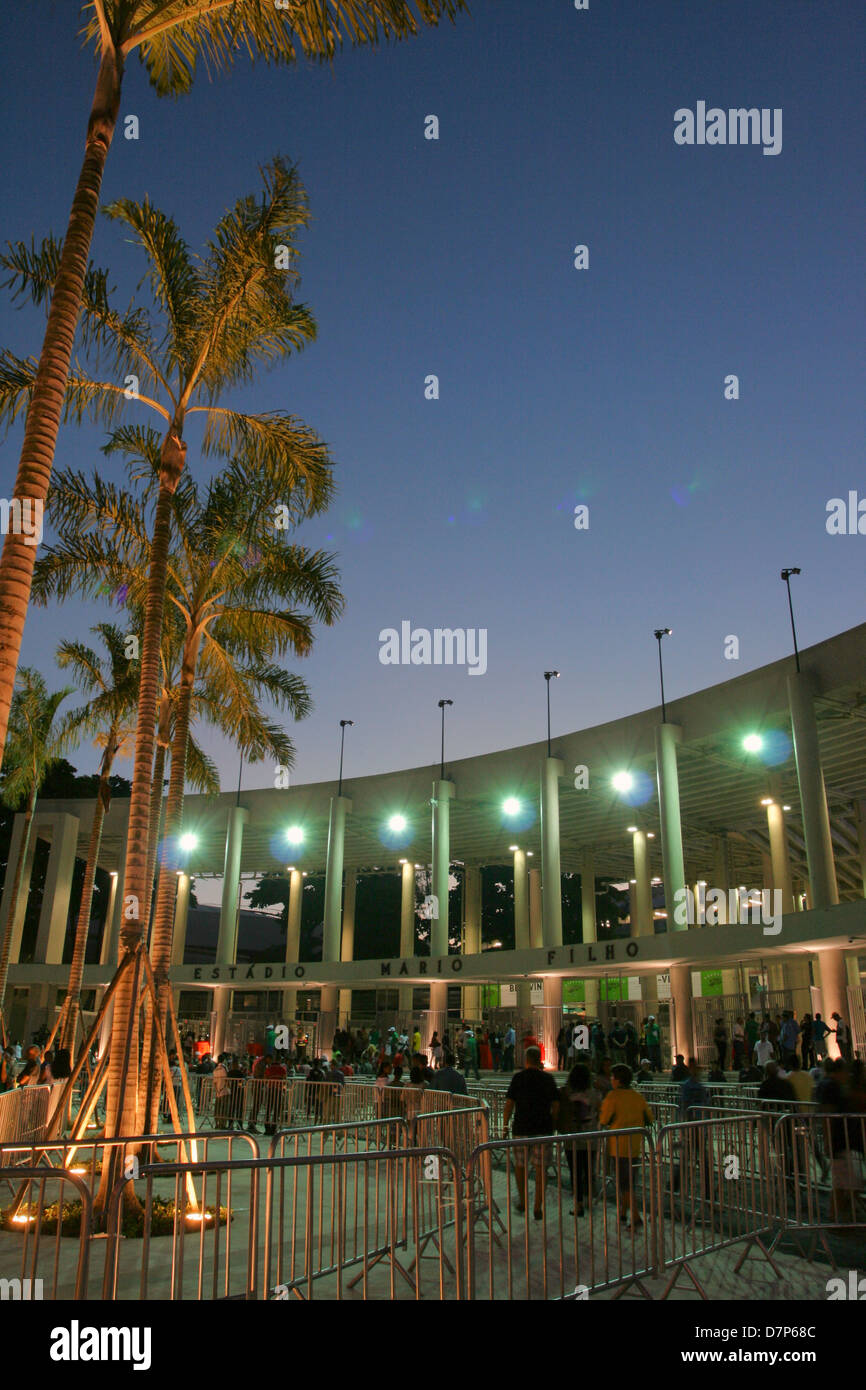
x,y
16,893
162,743
163,920
137,891
82,926
46,403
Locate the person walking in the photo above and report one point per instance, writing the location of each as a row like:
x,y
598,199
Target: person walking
x,y
447,1078
843,1036
738,1039
578,1113
807,1049
436,1051
496,1048
820,1032
623,1108
509,1042
654,1043
470,1052
720,1038
533,1100
752,1031
562,1049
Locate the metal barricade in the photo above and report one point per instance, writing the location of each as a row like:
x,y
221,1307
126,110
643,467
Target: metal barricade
x,y
822,1177
24,1114
39,1259
595,1193
716,1187
293,1226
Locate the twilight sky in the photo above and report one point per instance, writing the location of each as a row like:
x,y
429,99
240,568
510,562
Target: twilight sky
x,y
557,386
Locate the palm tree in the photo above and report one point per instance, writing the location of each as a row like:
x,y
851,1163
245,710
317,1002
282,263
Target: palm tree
x,y
217,319
113,685
171,37
33,745
227,573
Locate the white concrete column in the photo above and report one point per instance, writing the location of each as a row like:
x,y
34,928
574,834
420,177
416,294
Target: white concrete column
x,y
443,791
551,1018
779,858
53,917
681,999
109,918
347,944
667,738
15,846
551,882
535,930
407,928
521,902
227,941
471,994
110,950
327,1020
643,893
813,796
181,910
340,807
293,936
834,992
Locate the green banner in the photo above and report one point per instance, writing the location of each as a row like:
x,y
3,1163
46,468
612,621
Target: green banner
x,y
611,991
573,992
711,983
491,996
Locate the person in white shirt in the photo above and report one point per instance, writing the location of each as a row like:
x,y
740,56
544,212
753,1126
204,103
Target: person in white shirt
x,y
763,1052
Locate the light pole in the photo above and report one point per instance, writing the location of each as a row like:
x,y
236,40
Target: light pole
x,y
786,576
660,633
344,724
548,676
442,705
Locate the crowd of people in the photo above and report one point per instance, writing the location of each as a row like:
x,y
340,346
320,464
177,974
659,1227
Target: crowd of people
x,y
779,1038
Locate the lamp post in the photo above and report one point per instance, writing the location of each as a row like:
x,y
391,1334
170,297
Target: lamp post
x,y
442,705
548,676
659,633
344,724
786,577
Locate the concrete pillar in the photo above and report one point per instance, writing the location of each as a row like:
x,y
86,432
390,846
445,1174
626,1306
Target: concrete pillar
x,y
443,791
293,936
779,859
340,807
221,1014
589,928
407,929
347,943
681,1000
110,951
551,1018
834,991
15,846
471,994
667,738
53,917
181,909
227,942
105,940
522,937
551,884
642,924
535,929
327,1020
813,796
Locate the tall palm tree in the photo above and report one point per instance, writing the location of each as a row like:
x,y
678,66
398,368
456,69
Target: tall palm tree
x,y
33,745
231,575
171,37
217,319
107,717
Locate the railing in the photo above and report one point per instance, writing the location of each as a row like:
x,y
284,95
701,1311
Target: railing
x,y
50,1266
286,1104
24,1114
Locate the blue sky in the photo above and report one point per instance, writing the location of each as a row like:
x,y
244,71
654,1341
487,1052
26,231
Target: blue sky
x,y
557,386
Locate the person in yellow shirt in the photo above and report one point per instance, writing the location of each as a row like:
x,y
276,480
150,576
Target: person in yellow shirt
x,y
623,1108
